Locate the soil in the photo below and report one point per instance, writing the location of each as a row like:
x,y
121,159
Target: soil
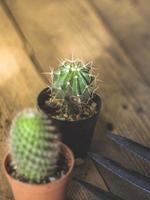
x,y
59,173
72,111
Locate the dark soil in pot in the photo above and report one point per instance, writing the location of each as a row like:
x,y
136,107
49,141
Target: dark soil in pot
x,y
76,134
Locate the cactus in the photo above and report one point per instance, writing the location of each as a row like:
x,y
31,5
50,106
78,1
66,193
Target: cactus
x,y
33,145
73,79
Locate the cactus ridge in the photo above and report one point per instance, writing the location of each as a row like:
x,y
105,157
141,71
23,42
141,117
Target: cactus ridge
x,y
33,146
73,78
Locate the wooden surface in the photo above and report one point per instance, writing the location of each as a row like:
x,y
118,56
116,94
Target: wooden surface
x,y
19,86
130,28
114,34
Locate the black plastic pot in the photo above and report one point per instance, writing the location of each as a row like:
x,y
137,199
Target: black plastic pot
x,y
75,134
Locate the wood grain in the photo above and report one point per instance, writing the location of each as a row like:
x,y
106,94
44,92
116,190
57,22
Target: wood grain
x,y
143,7
60,30
54,29
19,85
130,28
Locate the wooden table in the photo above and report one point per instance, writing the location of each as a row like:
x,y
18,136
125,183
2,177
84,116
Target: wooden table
x,y
114,34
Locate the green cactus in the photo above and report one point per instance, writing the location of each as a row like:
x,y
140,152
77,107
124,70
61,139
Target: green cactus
x,y
73,79
33,145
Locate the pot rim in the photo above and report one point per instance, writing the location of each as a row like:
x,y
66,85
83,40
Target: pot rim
x,y
71,162
99,105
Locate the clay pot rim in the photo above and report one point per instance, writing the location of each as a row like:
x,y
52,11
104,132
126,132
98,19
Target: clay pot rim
x,y
98,104
71,162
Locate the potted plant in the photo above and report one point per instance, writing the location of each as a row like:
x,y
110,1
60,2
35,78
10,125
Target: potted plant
x,y
38,166
72,103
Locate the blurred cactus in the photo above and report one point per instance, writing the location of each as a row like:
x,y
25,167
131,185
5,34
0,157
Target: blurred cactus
x,y
33,145
73,80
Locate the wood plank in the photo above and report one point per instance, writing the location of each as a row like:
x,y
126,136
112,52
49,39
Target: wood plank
x,y
130,28
58,30
55,28
19,86
89,173
143,6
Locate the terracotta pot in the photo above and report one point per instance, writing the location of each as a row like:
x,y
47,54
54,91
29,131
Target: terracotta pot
x,y
49,191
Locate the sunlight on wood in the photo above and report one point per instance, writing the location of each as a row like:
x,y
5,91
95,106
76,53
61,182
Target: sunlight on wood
x,y
59,29
8,64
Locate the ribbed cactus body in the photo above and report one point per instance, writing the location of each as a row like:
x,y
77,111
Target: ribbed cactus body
x,y
33,145
73,79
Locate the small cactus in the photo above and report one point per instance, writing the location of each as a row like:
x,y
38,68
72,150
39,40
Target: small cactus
x,y
74,80
33,145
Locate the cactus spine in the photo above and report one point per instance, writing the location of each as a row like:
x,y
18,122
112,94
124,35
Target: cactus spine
x,y
73,79
33,145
